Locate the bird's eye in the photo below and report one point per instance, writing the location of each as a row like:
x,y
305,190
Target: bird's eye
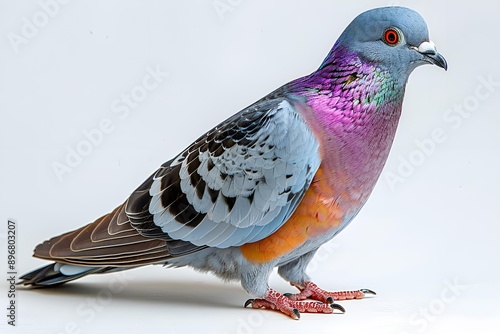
x,y
391,37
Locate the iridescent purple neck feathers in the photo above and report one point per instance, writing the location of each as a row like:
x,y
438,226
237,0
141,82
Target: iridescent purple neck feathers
x,y
354,107
346,76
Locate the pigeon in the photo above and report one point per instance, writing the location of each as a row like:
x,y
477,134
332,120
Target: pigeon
x,y
268,186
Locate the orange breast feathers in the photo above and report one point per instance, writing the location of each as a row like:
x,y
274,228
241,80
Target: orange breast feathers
x,y
317,213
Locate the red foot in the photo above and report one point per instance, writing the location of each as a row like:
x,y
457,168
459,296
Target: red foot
x,y
311,291
276,301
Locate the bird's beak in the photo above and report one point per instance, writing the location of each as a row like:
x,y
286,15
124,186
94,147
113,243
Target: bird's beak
x,y
431,55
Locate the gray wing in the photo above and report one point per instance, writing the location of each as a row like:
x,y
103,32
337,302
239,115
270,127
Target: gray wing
x,y
236,184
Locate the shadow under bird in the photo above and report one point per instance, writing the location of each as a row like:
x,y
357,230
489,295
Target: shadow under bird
x,y
269,185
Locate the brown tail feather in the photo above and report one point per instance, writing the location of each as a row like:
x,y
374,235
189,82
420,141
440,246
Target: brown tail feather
x,y
108,241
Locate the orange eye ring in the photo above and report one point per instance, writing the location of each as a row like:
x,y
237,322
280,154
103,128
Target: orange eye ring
x,y
391,37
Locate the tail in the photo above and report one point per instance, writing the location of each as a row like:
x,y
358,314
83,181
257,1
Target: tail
x,y
109,244
57,273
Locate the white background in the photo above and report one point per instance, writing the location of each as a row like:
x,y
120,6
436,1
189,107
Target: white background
x,y
436,224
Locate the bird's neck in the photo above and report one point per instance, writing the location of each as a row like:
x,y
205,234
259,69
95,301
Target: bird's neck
x,y
354,108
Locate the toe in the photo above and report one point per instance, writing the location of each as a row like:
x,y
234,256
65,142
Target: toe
x,y
249,302
368,292
337,307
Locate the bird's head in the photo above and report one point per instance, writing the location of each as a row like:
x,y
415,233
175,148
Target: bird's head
x,y
395,38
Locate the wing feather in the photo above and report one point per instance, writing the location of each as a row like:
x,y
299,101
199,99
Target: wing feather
x,y
238,183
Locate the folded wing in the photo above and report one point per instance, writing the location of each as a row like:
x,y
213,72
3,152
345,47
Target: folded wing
x,y
236,184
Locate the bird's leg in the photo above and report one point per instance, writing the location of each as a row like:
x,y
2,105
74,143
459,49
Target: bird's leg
x,y
295,273
310,290
273,300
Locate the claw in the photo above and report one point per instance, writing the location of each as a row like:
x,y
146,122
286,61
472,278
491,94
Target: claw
x,y
337,307
278,302
248,302
368,291
288,294
329,300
